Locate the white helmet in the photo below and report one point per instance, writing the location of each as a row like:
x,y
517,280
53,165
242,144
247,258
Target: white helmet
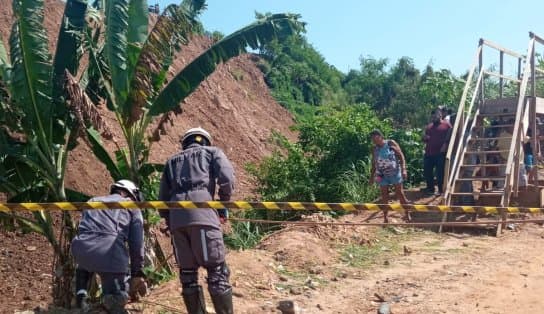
x,y
127,186
196,132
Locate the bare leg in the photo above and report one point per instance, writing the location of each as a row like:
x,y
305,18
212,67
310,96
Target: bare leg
x,y
399,191
385,200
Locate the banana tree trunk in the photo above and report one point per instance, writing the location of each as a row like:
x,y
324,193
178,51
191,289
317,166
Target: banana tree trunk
x,y
64,267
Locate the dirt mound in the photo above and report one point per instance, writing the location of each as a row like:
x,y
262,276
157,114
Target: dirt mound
x,y
234,104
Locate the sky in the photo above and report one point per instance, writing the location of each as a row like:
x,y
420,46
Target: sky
x,y
444,33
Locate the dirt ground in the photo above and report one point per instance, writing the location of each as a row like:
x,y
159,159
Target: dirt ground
x,y
337,269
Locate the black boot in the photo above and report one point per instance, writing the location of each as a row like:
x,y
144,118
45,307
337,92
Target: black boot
x,y
223,302
194,300
82,302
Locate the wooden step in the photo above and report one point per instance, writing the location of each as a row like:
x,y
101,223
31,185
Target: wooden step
x,y
483,165
482,179
494,193
487,152
489,139
497,114
493,126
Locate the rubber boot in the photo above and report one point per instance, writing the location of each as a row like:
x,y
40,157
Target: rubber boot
x,y
115,303
223,302
194,301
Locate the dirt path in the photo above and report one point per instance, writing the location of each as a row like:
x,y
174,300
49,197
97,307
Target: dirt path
x,y
417,271
444,274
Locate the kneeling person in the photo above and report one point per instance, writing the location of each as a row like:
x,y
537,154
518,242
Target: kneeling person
x,y
101,247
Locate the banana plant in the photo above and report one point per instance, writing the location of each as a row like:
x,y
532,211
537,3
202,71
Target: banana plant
x,y
36,127
129,64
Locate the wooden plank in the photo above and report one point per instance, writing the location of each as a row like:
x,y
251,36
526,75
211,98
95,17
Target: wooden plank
x,y
460,112
501,76
500,48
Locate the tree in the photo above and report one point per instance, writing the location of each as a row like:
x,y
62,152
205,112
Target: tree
x,y
298,75
36,127
129,65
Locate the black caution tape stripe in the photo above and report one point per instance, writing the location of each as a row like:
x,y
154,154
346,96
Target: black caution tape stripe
x,y
243,205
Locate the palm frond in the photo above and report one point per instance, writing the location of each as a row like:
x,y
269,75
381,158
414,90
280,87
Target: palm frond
x,y
254,35
116,49
172,29
5,66
69,44
31,69
102,154
84,109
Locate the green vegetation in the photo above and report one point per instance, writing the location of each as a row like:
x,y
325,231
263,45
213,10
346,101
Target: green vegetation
x,y
331,160
335,113
37,128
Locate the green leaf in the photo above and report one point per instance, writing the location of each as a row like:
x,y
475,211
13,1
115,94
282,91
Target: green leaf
x,y
76,196
137,21
148,169
102,155
115,49
4,64
184,83
122,163
31,72
173,28
69,43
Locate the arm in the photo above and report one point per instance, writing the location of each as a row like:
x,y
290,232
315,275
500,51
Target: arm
x,y
373,168
165,192
136,243
224,174
444,147
400,156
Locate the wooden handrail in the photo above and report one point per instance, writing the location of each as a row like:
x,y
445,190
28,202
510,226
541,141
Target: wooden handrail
x,y
500,48
519,111
495,74
536,37
463,142
460,111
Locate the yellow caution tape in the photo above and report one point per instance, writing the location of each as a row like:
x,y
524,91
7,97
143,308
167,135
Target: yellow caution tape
x,y
243,205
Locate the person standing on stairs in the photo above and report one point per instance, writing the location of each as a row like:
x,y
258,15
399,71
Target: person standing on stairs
x,y
437,136
388,168
193,175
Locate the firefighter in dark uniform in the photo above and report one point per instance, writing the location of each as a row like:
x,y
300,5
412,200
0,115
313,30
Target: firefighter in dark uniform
x,y
107,240
194,174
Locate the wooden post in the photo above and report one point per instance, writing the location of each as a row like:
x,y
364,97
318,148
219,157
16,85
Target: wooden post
x,y
481,68
501,68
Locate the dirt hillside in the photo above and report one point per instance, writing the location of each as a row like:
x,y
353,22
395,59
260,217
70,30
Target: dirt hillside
x,y
234,105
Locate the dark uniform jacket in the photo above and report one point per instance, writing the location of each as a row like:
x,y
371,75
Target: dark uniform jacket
x,y
101,244
194,174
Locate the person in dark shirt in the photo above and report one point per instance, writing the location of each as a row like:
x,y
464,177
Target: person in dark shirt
x,y
193,174
436,138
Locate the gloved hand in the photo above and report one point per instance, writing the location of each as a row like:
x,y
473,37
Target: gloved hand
x,y
223,215
137,288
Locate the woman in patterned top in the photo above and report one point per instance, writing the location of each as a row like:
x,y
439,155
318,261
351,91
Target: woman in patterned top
x,y
388,168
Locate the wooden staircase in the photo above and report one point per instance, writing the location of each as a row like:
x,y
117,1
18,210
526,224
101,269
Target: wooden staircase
x,y
485,153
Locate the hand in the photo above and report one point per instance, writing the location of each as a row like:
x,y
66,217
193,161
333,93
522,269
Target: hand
x,y
223,215
404,174
137,288
164,227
